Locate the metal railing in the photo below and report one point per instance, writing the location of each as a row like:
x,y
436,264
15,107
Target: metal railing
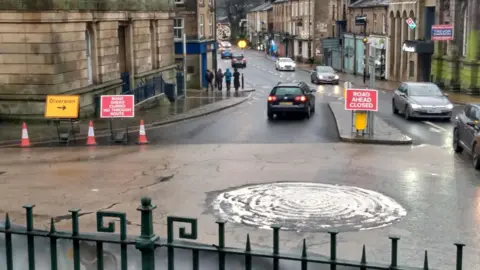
x,y
152,87
148,243
84,5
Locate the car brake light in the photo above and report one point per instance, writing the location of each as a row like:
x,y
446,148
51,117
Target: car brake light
x,y
301,98
234,60
272,98
244,59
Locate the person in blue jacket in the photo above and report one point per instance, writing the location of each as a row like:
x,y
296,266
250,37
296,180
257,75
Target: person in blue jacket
x,y
228,78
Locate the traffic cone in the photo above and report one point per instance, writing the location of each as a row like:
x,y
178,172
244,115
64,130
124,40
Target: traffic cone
x,y
142,136
91,135
25,142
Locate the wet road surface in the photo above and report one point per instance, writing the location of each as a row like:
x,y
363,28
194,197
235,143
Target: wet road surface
x,y
189,164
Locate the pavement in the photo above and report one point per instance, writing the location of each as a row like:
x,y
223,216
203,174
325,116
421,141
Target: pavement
x,y
188,165
383,133
198,103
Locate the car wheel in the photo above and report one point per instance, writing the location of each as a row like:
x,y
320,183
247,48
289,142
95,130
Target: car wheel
x,y
308,113
475,158
394,109
456,141
407,113
448,119
270,115
311,80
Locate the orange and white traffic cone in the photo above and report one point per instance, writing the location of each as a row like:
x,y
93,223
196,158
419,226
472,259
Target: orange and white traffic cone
x,y
91,135
142,136
25,142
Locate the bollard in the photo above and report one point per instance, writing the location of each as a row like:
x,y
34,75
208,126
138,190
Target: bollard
x,y
242,81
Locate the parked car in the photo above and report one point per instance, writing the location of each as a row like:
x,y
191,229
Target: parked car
x,y
226,54
238,60
421,100
285,63
291,98
466,133
224,45
324,74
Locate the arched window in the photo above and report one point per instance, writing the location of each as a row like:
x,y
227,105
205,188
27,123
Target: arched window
x,y
465,30
88,41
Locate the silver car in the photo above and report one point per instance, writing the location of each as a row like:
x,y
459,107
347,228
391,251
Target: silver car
x,y
285,63
421,100
324,74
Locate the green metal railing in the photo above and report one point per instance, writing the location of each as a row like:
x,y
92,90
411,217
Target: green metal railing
x,y
85,5
148,242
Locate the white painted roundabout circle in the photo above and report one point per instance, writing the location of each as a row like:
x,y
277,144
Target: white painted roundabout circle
x,y
300,206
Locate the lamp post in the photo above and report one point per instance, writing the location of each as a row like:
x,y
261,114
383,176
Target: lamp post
x,y
214,56
365,40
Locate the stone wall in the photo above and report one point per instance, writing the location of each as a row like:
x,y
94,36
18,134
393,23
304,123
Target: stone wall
x,y
46,53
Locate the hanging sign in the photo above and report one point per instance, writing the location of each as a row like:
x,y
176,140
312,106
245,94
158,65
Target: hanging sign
x,y
442,32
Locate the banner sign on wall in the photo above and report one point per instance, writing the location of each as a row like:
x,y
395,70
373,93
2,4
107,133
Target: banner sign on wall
x,y
442,32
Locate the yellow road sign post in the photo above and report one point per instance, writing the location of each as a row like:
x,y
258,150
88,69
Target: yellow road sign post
x,y
361,121
62,107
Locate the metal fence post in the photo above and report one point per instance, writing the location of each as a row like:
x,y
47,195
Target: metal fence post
x,y
146,241
242,81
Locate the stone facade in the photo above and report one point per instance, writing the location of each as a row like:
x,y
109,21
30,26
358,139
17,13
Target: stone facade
x,y
77,53
456,63
323,26
196,18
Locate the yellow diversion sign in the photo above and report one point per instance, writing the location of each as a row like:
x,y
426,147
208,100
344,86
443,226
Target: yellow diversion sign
x,y
65,107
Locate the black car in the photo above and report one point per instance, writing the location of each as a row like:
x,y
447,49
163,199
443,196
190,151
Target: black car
x,y
238,60
291,98
466,133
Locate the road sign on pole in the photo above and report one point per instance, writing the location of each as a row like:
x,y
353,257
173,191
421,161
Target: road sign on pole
x,y
62,107
361,100
117,106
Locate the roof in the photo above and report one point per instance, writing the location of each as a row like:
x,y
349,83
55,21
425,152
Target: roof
x,y
262,7
370,3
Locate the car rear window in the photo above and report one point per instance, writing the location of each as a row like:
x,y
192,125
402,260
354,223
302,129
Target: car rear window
x,y
287,91
238,56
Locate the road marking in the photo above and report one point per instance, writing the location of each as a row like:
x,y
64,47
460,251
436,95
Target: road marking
x,y
435,130
329,94
250,103
255,98
383,92
435,126
294,81
340,98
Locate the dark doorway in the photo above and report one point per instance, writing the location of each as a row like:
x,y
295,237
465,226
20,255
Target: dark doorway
x,y
424,65
122,48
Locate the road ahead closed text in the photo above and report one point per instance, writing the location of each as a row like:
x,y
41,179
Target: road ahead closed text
x,y
119,106
361,100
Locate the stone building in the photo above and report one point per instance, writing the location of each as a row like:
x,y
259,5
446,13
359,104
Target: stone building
x,y
260,25
366,19
195,18
82,51
302,29
456,63
282,26
409,46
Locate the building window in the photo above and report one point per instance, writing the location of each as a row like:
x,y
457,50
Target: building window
x,y
411,69
300,51
179,2
300,13
210,25
210,3
201,27
178,27
374,30
200,2
153,44
88,41
309,49
333,13
384,23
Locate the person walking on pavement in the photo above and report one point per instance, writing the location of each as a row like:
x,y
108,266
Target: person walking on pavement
x,y
219,79
236,79
209,76
228,78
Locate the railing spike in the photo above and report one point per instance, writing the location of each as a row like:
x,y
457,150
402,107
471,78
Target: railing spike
x,y
248,248
304,250
364,256
425,262
52,226
7,222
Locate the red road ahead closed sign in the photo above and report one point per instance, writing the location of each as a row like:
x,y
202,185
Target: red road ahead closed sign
x,y
361,100
117,106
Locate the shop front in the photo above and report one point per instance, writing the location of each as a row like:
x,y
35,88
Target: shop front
x,y
377,47
424,50
348,53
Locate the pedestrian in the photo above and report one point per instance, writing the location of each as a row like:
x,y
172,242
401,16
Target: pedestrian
x,y
228,78
236,79
219,79
209,76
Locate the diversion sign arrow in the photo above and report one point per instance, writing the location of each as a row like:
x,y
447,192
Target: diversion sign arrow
x,y
62,107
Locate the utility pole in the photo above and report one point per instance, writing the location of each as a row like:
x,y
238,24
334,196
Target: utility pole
x,y
214,56
184,65
365,50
